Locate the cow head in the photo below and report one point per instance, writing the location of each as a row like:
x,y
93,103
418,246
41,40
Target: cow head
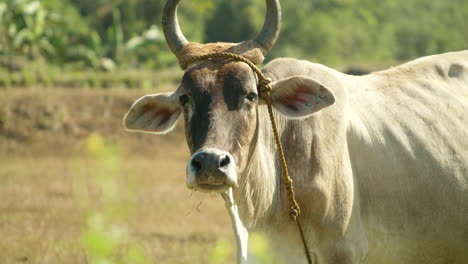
x,y
219,102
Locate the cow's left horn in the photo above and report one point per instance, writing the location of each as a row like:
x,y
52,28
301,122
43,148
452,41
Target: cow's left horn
x,y
174,37
270,31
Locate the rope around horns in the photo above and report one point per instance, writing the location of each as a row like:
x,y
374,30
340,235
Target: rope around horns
x,y
264,90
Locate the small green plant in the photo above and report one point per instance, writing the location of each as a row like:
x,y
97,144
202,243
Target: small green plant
x,y
105,237
259,250
221,252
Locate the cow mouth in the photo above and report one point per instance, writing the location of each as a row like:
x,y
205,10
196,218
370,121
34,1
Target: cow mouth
x,y
213,187
211,170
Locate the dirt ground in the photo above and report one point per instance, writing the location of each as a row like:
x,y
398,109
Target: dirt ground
x,y
77,188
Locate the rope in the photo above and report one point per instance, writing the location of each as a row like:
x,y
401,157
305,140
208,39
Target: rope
x,y
264,89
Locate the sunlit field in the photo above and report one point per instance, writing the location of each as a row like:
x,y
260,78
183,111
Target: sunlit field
x,y
76,188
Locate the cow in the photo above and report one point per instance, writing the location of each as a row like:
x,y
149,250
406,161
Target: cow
x,y
379,161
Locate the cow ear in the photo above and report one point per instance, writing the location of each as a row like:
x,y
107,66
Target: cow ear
x,y
154,113
300,96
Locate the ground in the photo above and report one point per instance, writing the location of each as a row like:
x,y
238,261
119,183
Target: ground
x,y
77,188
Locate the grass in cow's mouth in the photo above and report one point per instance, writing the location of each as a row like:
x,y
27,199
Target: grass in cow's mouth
x,y
212,187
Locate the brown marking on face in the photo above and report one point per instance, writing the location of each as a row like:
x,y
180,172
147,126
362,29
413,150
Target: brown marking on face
x,y
222,116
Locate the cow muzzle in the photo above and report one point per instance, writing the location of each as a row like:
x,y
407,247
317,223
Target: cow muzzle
x,y
211,170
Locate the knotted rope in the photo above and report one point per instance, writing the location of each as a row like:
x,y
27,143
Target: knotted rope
x,y
264,90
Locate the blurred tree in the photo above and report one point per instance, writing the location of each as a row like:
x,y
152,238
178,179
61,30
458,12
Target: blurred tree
x,y
105,34
232,21
338,31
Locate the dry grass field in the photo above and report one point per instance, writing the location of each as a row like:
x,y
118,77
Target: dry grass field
x,y
76,188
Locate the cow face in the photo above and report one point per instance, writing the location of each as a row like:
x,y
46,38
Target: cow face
x,y
220,119
219,102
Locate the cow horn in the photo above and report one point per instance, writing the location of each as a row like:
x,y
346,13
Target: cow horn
x,y
265,39
271,27
174,37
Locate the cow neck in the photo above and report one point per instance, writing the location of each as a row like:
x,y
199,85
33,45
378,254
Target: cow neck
x,y
264,90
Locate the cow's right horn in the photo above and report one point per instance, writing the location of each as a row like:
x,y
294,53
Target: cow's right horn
x,y
174,37
271,27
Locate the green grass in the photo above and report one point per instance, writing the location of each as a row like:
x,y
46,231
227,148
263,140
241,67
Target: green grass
x,y
38,74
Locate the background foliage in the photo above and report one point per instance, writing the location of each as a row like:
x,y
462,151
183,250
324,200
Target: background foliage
x,y
109,35
104,34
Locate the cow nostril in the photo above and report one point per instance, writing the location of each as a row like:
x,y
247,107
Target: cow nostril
x,y
196,164
224,161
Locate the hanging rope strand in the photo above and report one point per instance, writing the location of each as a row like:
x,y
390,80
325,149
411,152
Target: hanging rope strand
x,y
264,89
294,209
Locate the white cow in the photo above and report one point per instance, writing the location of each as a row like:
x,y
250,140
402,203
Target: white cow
x,y
379,162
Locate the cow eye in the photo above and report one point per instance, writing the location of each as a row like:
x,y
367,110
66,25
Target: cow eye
x,y
183,99
252,97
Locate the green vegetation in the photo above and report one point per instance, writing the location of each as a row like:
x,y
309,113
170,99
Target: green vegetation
x,y
113,35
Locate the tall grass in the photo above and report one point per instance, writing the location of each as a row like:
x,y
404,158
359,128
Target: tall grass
x,y
38,74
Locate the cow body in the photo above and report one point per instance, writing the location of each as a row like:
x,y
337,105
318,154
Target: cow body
x,y
381,176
